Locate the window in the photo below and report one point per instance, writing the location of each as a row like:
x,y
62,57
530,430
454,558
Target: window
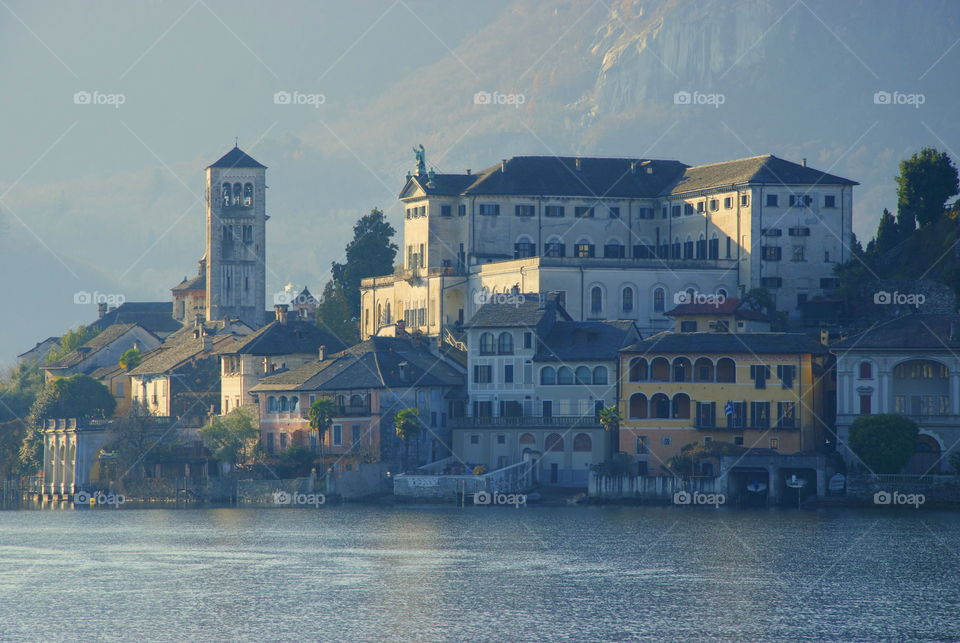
x,y
786,373
270,447
865,405
645,213
760,415
866,371
445,211
799,232
596,300
583,375
508,374
738,440
771,282
643,445
482,374
688,248
728,247
772,253
501,439
486,344
528,340
774,443
525,210
614,250
735,414
614,213
714,251
600,375
689,326
337,435
700,206
583,249
638,406
554,249
505,344
687,209
714,205
744,200
355,434
626,299
706,415
474,439
829,201
659,295
523,249
772,232
489,209
564,375
786,415
797,200
665,440
728,202
583,212
553,211
759,373
701,248
482,409
798,253
462,210
283,441
773,200
675,211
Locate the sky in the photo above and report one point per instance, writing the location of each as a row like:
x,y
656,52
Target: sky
x,y
106,196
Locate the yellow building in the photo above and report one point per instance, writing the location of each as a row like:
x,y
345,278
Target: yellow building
x,y
755,390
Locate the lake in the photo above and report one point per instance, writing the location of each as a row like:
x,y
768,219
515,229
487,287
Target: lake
x,y
360,573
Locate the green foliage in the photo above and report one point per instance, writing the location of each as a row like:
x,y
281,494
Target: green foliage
x,y
884,443
139,441
72,340
760,300
926,180
407,423
321,415
609,418
888,234
11,437
619,464
369,254
19,388
231,438
334,314
130,359
685,463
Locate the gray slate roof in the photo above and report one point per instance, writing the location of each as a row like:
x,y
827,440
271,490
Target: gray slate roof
x,y
373,363
291,338
155,316
237,158
175,352
918,331
527,313
197,283
587,340
766,169
106,337
729,343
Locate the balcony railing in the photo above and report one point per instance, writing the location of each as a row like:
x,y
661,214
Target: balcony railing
x,y
354,409
586,421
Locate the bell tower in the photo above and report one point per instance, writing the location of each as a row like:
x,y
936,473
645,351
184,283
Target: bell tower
x,y
236,239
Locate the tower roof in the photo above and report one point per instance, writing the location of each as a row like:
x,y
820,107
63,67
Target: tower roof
x,y
237,158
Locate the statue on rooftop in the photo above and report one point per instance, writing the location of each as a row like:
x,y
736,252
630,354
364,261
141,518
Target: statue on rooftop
x,y
421,156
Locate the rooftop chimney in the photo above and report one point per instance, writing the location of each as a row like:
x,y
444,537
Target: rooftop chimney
x,y
468,171
503,165
633,167
577,162
281,311
101,309
803,162
207,342
322,353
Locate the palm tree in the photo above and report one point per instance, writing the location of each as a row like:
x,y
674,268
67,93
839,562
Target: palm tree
x,y
610,421
407,425
321,415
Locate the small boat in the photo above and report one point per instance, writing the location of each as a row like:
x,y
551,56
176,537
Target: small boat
x,y
756,486
795,483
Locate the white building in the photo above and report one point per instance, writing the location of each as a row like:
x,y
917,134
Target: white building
x,y
617,237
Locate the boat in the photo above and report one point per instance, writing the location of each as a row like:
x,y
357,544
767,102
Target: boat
x,y
756,486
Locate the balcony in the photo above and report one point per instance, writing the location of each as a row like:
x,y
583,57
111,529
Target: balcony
x,y
527,421
353,409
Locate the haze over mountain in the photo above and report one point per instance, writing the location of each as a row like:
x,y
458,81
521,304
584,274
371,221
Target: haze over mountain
x,y
108,199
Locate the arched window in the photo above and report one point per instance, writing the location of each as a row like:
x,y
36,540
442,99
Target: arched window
x,y
524,247
227,195
582,442
681,406
487,346
583,375
660,406
389,316
271,404
702,247
639,370
505,344
527,438
548,375
638,406
248,194
726,370
703,370
357,400
600,375
659,298
294,403
237,193
681,370
554,442
660,370
714,249
596,300
284,404
626,299
564,375
379,313
866,371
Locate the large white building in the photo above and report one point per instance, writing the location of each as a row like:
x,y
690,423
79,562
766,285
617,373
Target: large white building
x,y
617,238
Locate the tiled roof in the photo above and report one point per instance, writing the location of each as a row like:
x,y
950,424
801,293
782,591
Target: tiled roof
x,y
105,371
918,331
524,311
106,337
237,158
288,339
766,169
728,343
39,344
378,362
729,306
197,283
587,340
174,353
155,316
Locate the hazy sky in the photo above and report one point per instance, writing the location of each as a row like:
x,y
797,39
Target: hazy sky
x,y
107,197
